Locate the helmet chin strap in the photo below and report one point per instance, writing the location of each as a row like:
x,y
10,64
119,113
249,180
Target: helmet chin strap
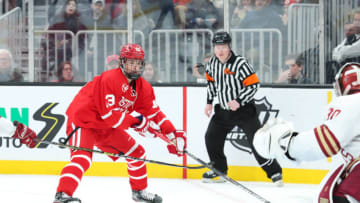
x,y
129,76
132,76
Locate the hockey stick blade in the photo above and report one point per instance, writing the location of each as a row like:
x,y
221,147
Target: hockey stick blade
x,y
117,155
166,139
226,177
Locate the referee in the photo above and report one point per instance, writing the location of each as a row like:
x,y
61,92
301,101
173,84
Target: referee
x,y
233,80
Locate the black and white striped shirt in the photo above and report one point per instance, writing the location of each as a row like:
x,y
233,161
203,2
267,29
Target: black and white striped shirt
x,y
235,79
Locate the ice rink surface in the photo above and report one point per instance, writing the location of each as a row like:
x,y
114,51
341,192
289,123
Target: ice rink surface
x,y
41,189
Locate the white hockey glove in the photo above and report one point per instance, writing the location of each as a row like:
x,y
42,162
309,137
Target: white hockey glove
x,y
273,139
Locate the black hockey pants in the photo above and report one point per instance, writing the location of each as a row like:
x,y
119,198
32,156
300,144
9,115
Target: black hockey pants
x,y
222,122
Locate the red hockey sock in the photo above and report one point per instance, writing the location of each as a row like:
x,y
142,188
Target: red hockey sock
x,y
137,169
72,173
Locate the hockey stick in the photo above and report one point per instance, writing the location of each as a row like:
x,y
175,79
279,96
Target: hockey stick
x,y
117,155
163,137
227,177
70,135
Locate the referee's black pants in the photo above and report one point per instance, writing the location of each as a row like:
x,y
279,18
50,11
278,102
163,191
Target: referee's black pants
x,y
222,122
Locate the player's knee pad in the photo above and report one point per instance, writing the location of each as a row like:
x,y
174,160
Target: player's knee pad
x,y
136,151
82,158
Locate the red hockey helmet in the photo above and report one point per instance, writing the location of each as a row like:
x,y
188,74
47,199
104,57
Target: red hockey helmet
x,y
135,52
347,80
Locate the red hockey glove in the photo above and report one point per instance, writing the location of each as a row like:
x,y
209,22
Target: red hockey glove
x,y
25,134
146,127
177,143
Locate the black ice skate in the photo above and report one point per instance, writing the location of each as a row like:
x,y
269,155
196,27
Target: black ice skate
x,y
61,197
211,177
277,179
143,196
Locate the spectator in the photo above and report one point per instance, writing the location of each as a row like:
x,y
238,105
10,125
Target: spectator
x,y
277,6
59,46
292,73
150,73
9,5
65,72
285,16
140,20
112,61
100,44
8,73
260,49
166,7
5,65
98,19
55,7
180,12
356,19
308,1
349,49
240,11
114,7
311,63
68,19
199,69
219,5
202,14
262,17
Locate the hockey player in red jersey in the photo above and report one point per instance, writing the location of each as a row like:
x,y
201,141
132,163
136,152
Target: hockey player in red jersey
x,y
19,131
339,133
101,110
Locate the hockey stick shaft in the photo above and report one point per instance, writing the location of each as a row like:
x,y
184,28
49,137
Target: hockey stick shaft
x,y
227,177
163,137
118,155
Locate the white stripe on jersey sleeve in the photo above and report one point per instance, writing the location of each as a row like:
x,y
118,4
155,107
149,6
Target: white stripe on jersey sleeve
x,y
109,113
120,121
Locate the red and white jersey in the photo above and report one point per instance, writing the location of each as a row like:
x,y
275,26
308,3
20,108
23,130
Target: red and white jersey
x,y
107,101
340,132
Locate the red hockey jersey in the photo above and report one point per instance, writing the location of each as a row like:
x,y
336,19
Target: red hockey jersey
x,y
107,101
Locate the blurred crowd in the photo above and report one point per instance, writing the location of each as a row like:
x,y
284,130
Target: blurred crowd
x,y
58,58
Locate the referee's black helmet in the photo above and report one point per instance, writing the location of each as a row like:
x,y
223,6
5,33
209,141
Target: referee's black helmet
x,y
221,38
